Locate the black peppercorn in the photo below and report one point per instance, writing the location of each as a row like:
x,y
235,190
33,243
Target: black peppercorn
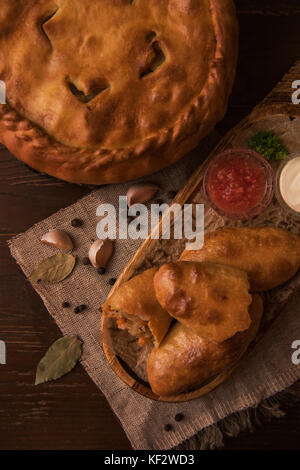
x,y
112,281
86,261
168,427
76,223
65,304
101,270
80,308
179,417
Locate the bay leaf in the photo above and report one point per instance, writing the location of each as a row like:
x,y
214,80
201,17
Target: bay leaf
x,y
60,359
53,269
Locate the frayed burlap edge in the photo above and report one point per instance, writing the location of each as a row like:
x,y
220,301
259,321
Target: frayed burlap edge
x,y
213,436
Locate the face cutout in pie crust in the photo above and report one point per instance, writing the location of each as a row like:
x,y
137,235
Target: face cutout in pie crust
x,y
105,91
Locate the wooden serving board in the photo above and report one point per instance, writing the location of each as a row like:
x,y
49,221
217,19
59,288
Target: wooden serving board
x,y
276,112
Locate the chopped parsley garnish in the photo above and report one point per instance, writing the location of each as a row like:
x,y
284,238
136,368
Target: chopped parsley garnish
x,y
267,144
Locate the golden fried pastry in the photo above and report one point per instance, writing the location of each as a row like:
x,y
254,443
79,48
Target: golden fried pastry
x,y
209,298
184,360
102,91
270,256
136,309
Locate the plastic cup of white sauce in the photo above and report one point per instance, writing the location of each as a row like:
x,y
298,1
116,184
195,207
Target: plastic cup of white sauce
x,y
288,184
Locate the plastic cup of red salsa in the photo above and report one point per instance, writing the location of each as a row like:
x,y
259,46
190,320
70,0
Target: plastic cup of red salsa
x,y
239,183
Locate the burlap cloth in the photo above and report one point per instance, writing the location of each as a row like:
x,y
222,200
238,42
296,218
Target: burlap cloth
x,y
266,371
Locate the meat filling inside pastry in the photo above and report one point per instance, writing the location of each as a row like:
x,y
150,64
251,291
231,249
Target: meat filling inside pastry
x,y
135,308
134,325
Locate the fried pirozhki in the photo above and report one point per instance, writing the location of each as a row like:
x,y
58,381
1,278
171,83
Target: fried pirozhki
x,y
212,299
184,360
270,256
135,308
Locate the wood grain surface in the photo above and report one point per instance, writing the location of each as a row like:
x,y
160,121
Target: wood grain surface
x,y
72,413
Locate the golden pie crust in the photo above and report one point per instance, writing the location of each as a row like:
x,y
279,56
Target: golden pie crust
x,y
105,91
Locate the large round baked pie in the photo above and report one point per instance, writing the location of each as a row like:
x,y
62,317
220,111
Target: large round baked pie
x,y
102,91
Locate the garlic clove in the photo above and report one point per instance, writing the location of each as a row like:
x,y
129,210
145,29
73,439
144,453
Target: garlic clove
x,y
140,193
59,239
100,252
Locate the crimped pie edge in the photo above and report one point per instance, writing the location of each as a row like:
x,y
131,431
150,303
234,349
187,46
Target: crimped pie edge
x,y
32,145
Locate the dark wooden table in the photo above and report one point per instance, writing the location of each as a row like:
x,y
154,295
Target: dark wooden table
x,y
72,413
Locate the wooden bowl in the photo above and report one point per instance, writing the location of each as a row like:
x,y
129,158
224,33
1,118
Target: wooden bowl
x,y
128,376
